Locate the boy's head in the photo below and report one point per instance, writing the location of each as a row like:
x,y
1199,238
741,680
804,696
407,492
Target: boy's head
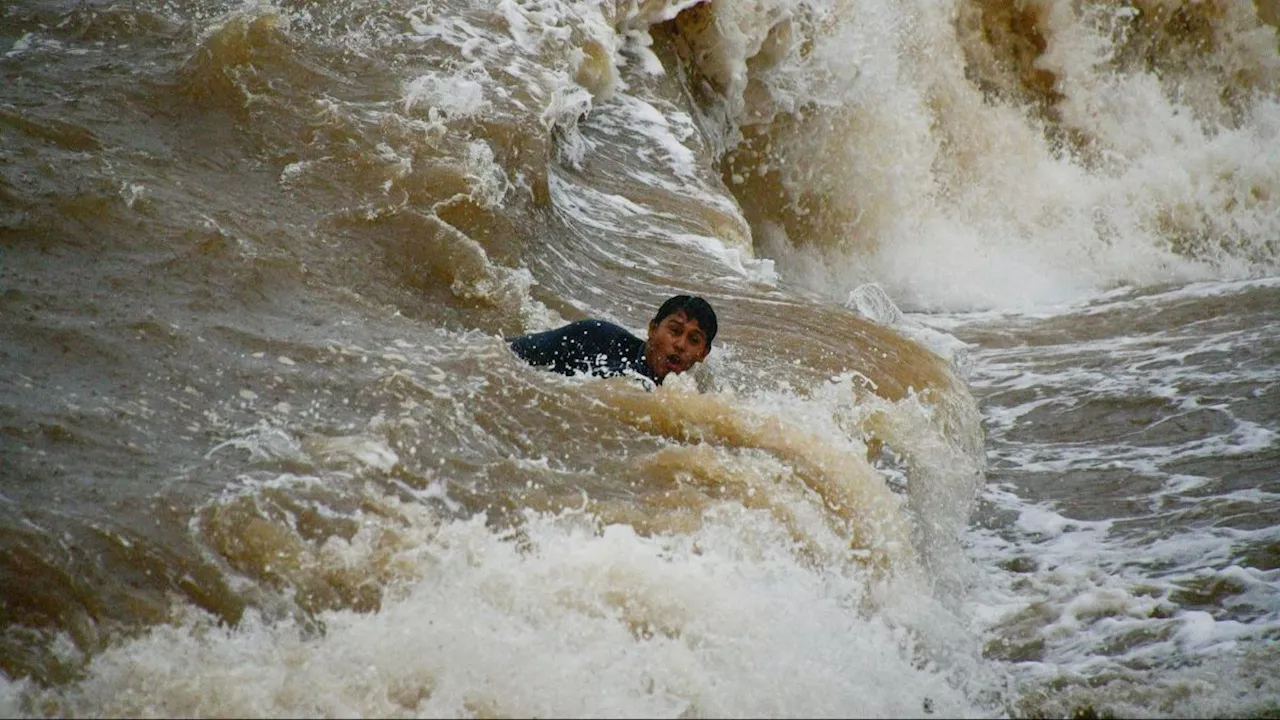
x,y
695,308
680,335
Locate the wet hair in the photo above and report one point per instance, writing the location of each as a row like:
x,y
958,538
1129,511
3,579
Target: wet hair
x,y
693,306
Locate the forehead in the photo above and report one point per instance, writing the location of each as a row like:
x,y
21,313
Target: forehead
x,y
681,316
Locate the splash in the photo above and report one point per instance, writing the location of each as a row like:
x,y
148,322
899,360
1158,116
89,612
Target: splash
x,y
572,622
979,154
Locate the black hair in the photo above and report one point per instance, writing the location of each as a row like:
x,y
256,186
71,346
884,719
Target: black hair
x,y
693,306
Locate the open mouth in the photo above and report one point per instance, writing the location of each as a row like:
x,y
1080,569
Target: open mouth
x,y
673,361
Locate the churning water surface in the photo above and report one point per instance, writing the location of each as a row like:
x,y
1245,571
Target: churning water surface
x,y
990,428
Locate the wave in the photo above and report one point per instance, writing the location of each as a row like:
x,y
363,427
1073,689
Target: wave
x,y
290,240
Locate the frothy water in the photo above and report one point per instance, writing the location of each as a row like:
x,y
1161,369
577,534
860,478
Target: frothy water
x,y
572,620
1130,515
990,428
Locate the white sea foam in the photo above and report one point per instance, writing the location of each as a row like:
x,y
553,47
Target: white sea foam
x,y
958,201
1160,582
458,96
722,623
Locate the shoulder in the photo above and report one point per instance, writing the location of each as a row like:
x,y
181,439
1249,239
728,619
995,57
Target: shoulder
x,y
603,327
591,328
590,332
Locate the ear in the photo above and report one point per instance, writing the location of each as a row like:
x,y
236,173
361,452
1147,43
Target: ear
x,y
706,350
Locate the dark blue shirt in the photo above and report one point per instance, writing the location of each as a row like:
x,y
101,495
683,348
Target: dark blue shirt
x,y
595,347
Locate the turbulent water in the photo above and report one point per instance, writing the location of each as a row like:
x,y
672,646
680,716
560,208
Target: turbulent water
x,y
991,427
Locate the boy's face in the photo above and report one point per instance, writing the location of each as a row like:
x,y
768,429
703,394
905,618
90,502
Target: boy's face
x,y
676,343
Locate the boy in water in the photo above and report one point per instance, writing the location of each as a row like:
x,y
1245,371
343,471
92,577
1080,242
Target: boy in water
x,y
680,336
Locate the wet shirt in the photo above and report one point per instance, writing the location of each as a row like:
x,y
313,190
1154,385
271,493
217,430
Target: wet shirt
x,y
595,347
